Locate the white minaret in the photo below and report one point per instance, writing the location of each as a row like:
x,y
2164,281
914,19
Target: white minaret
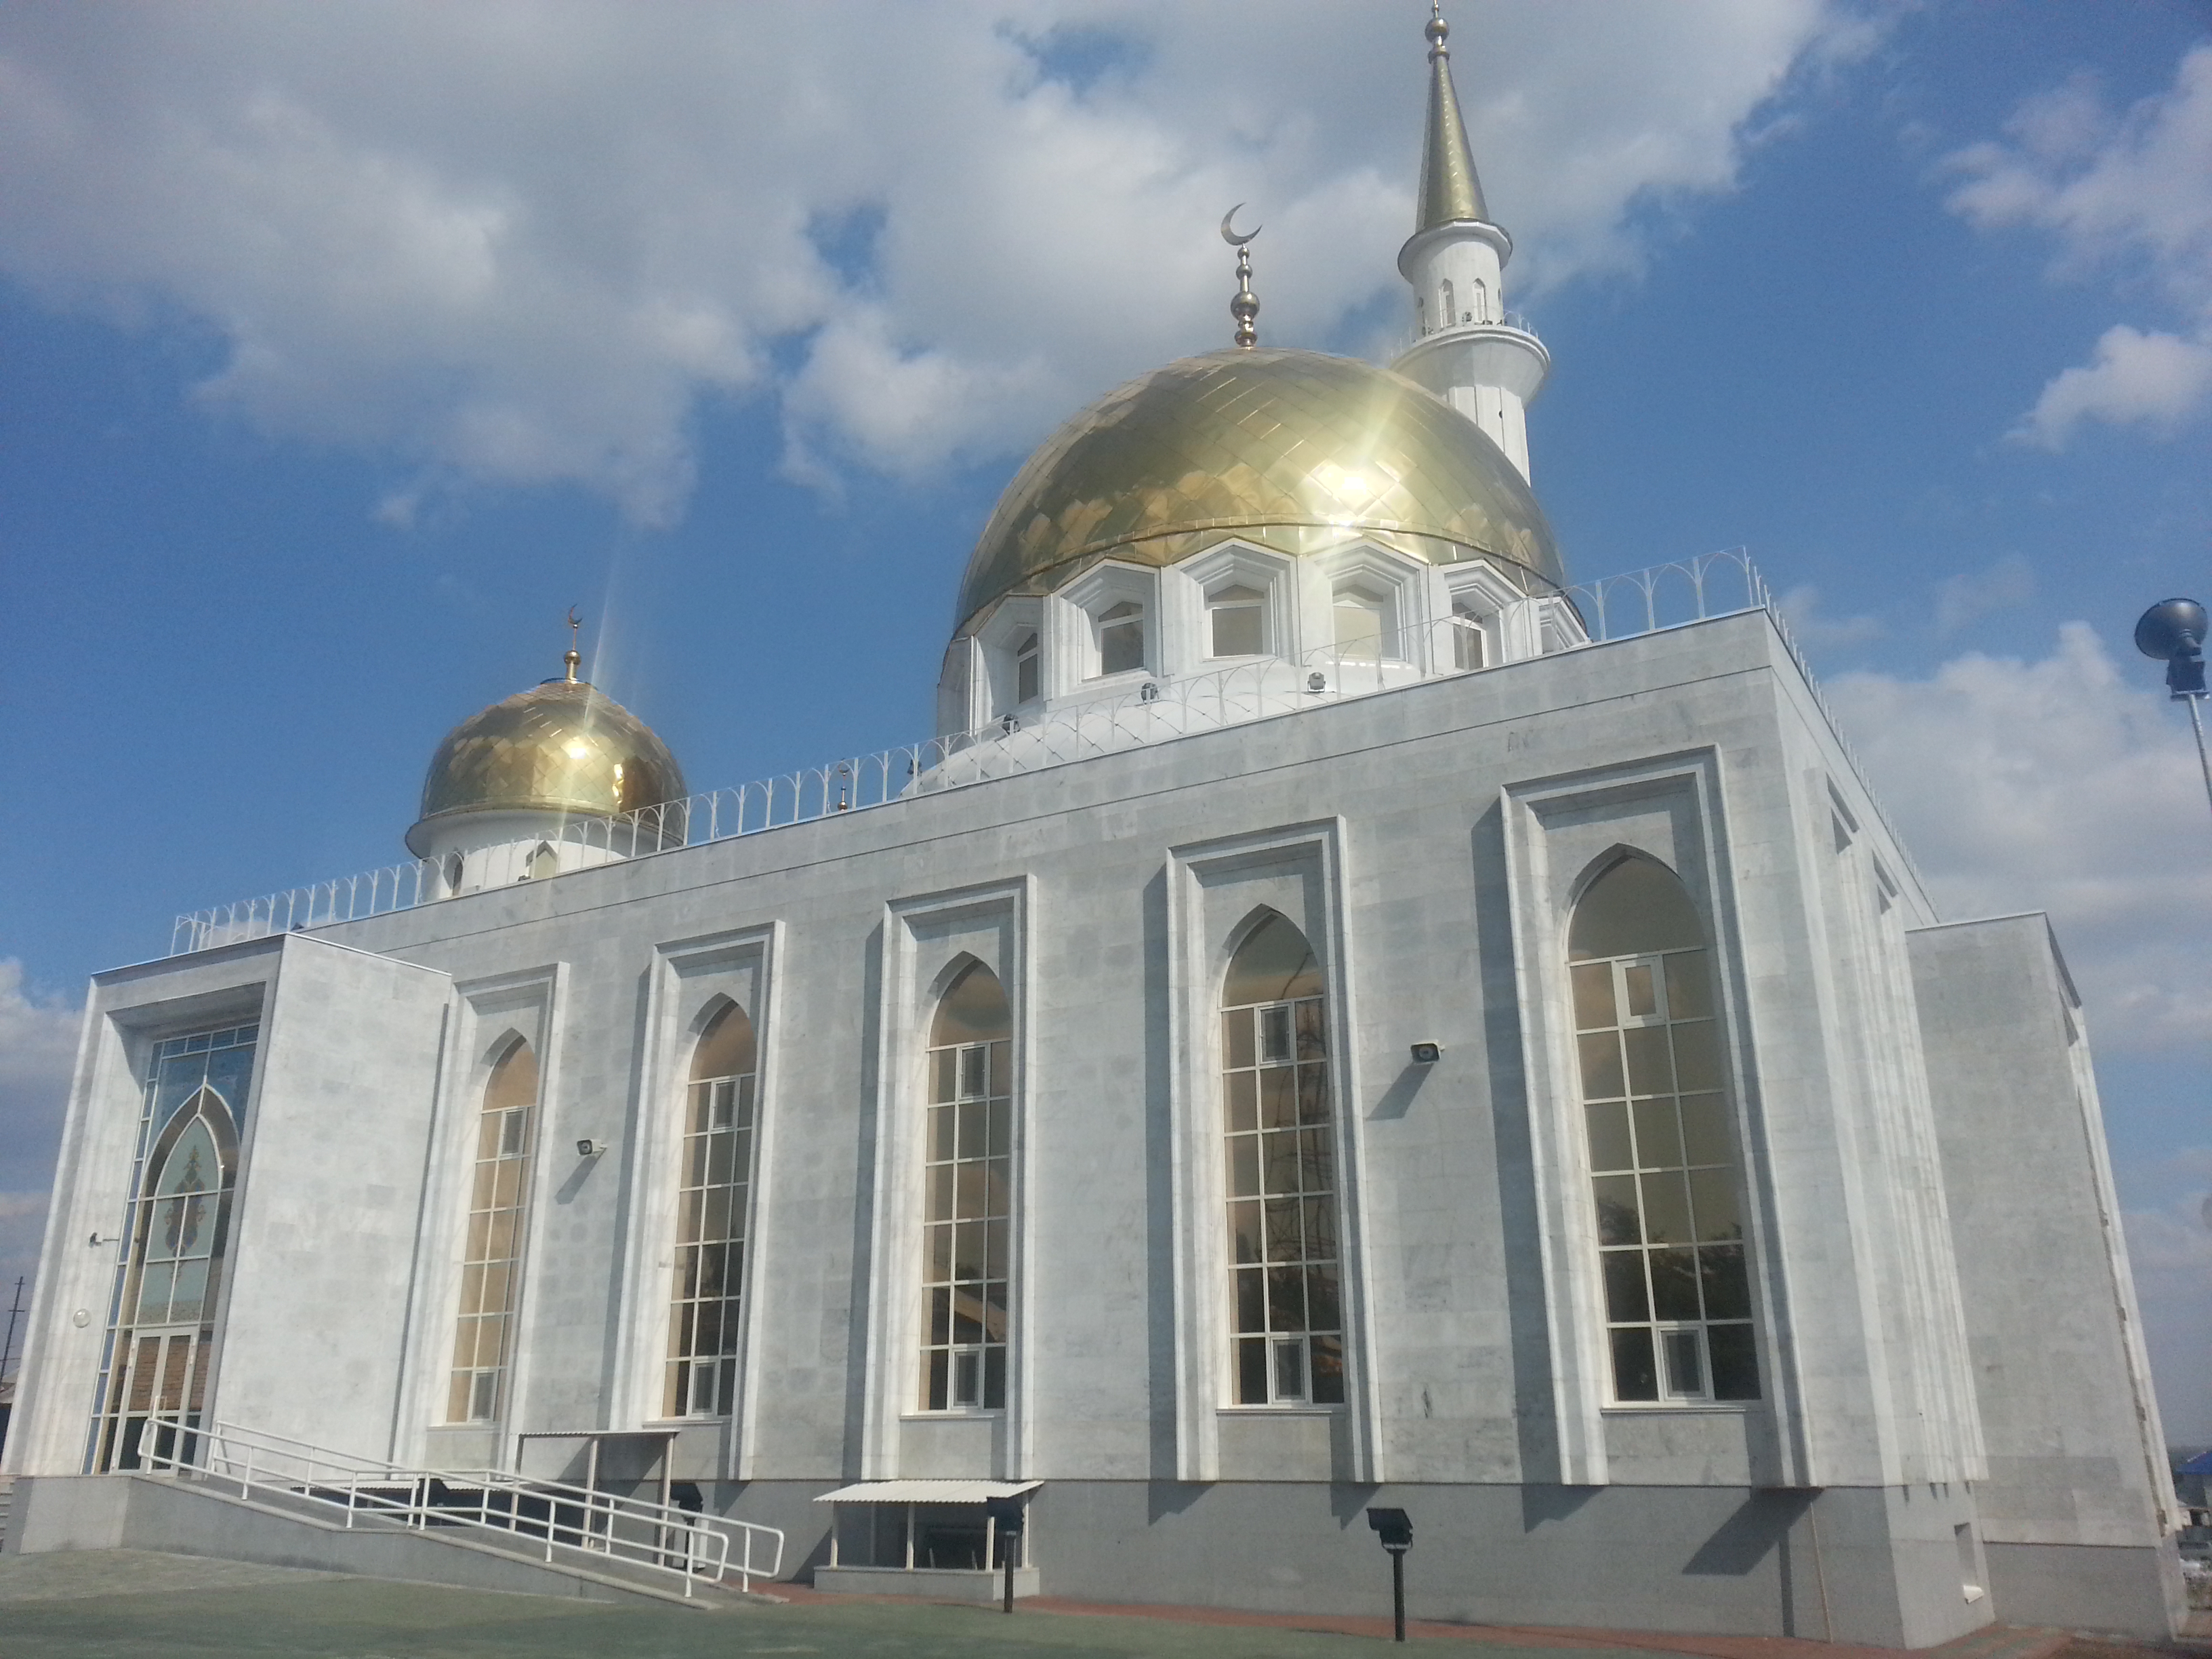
x,y
1464,349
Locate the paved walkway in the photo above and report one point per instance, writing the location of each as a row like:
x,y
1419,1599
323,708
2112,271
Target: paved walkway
x,y
130,1604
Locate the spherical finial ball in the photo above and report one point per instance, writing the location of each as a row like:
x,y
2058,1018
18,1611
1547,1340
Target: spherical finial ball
x,y
1437,30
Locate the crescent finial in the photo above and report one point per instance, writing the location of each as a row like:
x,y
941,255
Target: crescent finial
x,y
1230,236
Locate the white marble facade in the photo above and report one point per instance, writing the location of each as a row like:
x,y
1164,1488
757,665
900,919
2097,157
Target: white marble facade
x,y
1429,843
459,1178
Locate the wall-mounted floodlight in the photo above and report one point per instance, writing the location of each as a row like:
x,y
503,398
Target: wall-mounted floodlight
x,y
1428,1054
1395,1529
590,1148
2173,632
1316,682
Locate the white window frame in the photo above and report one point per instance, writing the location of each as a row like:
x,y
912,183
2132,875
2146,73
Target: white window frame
x,y
735,1300
1001,641
1381,576
1489,601
1238,564
1666,1333
1082,607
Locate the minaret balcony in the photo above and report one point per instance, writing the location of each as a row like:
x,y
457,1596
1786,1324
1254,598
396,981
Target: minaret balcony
x,y
1506,354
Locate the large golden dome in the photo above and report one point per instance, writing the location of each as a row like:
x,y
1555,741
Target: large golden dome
x,y
563,746
1293,450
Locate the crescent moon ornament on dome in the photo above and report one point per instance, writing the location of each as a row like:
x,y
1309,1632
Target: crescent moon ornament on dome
x,y
1230,236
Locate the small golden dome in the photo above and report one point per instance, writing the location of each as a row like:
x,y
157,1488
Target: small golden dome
x,y
1293,450
563,746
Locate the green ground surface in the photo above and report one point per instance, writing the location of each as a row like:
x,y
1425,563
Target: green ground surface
x,y
131,1604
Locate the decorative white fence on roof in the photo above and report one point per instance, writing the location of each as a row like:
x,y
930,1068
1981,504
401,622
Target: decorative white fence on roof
x,y
1166,707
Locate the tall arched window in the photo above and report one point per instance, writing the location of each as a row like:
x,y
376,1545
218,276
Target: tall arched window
x,y
712,1204
1448,306
1664,1169
1285,1282
491,1257
156,1383
966,1240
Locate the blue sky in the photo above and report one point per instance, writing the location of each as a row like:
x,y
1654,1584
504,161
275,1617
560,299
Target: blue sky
x,y
342,348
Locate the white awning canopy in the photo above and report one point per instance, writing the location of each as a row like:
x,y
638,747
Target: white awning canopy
x,y
927,1492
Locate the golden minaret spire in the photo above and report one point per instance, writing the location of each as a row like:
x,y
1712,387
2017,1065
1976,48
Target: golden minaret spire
x,y
1450,191
572,657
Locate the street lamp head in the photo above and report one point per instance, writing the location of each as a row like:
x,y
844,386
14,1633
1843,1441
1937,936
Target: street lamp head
x,y
1395,1526
2172,631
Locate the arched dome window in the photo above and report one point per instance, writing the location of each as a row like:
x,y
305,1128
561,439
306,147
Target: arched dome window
x,y
1470,649
713,1207
1363,622
492,1251
968,1199
1664,1174
1122,638
1285,1289
1237,622
1029,669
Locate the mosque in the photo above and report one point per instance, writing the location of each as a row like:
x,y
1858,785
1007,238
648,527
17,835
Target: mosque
x,y
1328,1024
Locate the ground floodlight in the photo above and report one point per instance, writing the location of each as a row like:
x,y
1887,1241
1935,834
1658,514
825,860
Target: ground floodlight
x,y
1395,1529
1424,1053
1006,1515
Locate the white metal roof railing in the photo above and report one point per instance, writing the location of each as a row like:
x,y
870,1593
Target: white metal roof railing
x,y
1160,708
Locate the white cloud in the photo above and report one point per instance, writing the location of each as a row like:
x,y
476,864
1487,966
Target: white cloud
x,y
2154,380
518,242
38,1050
1816,630
2113,190
1968,595
2058,785
2169,1248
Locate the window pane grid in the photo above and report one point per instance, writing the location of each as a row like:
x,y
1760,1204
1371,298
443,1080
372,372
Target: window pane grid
x,y
1285,1283
1663,1178
492,1235
966,1243
172,1267
714,1183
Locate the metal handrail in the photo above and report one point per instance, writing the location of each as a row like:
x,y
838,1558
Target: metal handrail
x,y
1156,708
1414,336
635,1532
